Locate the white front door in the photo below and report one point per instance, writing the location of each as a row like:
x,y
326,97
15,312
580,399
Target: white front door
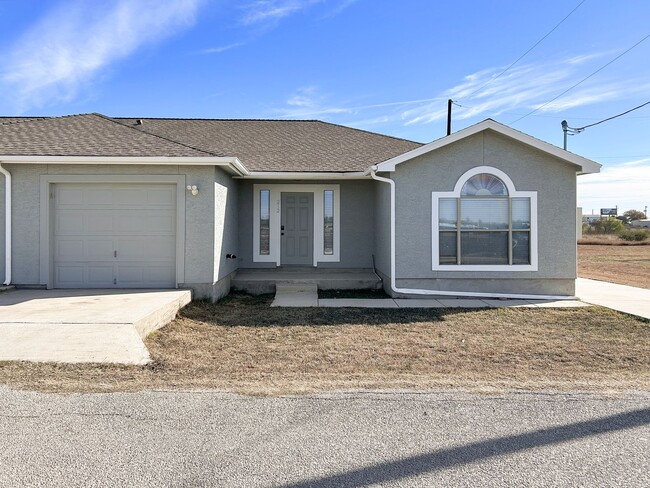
x,y
114,235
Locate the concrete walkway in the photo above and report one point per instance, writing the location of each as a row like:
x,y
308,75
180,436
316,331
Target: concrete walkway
x,y
628,299
306,295
82,326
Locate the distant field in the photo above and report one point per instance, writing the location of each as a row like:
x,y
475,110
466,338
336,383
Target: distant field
x,y
626,265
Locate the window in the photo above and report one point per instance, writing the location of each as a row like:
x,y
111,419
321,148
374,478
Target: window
x,y
328,222
265,222
484,224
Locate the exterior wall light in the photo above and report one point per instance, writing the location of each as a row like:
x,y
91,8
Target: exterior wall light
x,y
194,189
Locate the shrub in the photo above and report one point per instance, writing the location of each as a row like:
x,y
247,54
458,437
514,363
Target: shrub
x,y
633,235
609,226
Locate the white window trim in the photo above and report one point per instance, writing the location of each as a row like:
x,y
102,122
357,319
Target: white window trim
x,y
512,193
275,211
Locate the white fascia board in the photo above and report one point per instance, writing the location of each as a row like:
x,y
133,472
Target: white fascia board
x,y
233,164
586,165
297,175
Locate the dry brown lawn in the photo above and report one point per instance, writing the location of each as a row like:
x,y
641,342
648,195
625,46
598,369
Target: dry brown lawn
x,y
241,344
626,265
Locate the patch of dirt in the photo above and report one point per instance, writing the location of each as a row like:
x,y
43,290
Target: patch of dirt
x,y
625,265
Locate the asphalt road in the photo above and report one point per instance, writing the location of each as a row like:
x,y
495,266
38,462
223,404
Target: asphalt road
x,y
348,439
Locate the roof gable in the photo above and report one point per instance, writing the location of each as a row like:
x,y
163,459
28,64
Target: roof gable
x,y
585,165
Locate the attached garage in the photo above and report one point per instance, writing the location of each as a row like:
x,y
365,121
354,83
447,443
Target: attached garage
x,y
114,235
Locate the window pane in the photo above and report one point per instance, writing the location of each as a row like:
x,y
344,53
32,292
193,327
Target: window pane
x,y
484,184
521,213
484,213
447,248
484,248
328,222
521,248
448,213
265,227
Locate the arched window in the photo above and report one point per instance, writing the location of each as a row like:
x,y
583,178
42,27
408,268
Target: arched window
x,y
484,224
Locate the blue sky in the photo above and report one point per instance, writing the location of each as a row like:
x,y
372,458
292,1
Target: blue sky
x,y
385,66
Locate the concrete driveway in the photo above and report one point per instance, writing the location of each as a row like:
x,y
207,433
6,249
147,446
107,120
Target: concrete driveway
x,y
354,439
75,326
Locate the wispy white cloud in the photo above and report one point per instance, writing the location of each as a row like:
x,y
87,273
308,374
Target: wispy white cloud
x,y
221,49
524,87
72,44
480,94
625,185
273,10
342,5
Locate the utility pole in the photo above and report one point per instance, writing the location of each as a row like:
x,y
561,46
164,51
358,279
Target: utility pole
x,y
565,129
449,102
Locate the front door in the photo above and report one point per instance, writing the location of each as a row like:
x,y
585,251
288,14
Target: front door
x,y
297,229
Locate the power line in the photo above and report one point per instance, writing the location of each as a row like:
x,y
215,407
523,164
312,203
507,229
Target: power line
x,y
507,112
581,81
529,50
580,129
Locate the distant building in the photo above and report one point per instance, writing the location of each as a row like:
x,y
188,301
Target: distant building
x,y
592,218
645,223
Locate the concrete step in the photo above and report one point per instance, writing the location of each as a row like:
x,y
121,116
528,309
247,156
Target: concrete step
x,y
260,281
296,295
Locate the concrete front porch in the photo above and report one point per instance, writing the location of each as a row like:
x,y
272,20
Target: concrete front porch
x,y
258,281
84,326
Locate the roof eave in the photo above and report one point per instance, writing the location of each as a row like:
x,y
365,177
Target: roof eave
x,y
231,164
586,166
305,175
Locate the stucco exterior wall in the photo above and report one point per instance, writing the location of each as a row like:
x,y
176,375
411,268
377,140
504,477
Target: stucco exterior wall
x,y
357,223
226,237
382,228
2,229
531,170
199,255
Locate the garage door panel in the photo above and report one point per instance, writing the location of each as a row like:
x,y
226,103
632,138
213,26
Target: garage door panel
x,y
69,249
99,250
98,197
69,222
69,276
113,236
99,222
163,197
100,274
158,274
70,196
161,223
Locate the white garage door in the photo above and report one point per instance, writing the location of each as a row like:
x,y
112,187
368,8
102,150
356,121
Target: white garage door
x,y
114,235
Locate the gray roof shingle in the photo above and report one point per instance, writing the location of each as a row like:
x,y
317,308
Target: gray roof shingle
x,y
261,145
282,145
84,135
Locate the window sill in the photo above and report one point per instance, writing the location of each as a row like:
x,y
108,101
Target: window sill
x,y
485,267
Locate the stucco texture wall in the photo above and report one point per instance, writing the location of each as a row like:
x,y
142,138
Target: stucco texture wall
x,y
530,170
199,253
357,222
226,238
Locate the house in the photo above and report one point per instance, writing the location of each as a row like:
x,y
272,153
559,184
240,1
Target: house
x,y
90,201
